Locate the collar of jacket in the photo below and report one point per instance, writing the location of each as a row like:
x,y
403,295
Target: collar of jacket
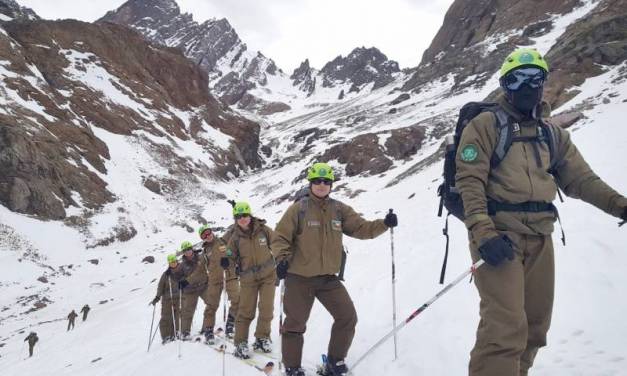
x,y
256,224
543,110
322,202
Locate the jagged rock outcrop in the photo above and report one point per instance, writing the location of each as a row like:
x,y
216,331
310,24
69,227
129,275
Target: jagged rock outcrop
x,y
11,10
360,67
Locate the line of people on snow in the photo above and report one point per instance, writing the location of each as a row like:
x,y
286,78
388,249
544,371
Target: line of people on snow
x,y
305,249
508,164
32,337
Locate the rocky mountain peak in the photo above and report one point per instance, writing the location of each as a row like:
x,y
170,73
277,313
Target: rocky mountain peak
x,y
361,66
10,10
302,77
150,10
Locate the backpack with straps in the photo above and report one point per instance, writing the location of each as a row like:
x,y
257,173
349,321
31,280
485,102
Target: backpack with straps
x,y
450,197
302,198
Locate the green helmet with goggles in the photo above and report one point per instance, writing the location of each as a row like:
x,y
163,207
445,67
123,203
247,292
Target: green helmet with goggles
x,y
320,170
241,208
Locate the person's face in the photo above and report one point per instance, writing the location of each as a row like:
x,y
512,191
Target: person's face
x,y
207,236
174,264
243,220
189,253
320,187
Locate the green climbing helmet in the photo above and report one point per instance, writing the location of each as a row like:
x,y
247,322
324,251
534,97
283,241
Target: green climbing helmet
x,y
241,207
202,229
523,57
186,245
320,170
171,258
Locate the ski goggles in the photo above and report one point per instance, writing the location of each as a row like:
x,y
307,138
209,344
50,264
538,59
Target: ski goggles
x,y
205,234
239,216
534,77
319,181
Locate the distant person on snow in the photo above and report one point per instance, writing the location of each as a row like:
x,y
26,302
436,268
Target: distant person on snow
x,y
168,292
510,216
85,310
71,317
308,248
249,248
32,340
219,272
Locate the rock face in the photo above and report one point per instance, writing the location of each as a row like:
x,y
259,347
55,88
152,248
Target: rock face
x,y
11,10
368,153
477,35
304,78
213,45
360,67
62,79
597,40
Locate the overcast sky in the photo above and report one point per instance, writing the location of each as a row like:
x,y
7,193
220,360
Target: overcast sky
x,y
288,31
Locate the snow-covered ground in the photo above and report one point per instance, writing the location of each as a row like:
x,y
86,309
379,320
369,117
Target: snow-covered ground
x,y
587,337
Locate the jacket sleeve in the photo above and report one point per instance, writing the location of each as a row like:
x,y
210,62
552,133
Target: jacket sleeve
x,y
284,234
355,226
577,180
160,286
471,178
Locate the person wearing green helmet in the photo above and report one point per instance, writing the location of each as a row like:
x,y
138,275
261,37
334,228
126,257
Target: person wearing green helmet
x,y
220,271
510,217
168,292
308,248
249,244
193,279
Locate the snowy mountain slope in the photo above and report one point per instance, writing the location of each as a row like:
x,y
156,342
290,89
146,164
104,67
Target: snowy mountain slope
x,y
590,282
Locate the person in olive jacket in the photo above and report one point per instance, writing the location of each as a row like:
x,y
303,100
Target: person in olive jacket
x,y
308,248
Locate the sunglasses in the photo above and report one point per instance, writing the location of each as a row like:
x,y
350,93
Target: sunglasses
x,y
206,234
319,181
238,216
534,77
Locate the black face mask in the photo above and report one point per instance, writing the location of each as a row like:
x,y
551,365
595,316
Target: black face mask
x,y
526,98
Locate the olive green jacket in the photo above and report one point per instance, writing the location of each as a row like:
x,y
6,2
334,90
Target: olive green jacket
x,y
520,177
314,247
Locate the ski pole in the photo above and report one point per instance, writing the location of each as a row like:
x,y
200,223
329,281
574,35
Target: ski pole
x,y
472,269
282,294
180,332
393,290
154,306
224,318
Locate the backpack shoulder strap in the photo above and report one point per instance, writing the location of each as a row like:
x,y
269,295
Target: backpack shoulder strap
x,y
504,135
303,204
550,137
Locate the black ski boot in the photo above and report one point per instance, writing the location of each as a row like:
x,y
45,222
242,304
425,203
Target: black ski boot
x,y
294,371
167,340
262,345
209,337
241,351
336,367
230,326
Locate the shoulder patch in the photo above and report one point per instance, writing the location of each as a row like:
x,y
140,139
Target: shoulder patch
x,y
469,153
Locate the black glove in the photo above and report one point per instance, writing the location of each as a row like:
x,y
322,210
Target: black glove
x,y
496,250
390,219
224,263
281,269
623,217
155,300
183,283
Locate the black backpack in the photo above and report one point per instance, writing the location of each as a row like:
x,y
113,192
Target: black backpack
x,y
449,195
